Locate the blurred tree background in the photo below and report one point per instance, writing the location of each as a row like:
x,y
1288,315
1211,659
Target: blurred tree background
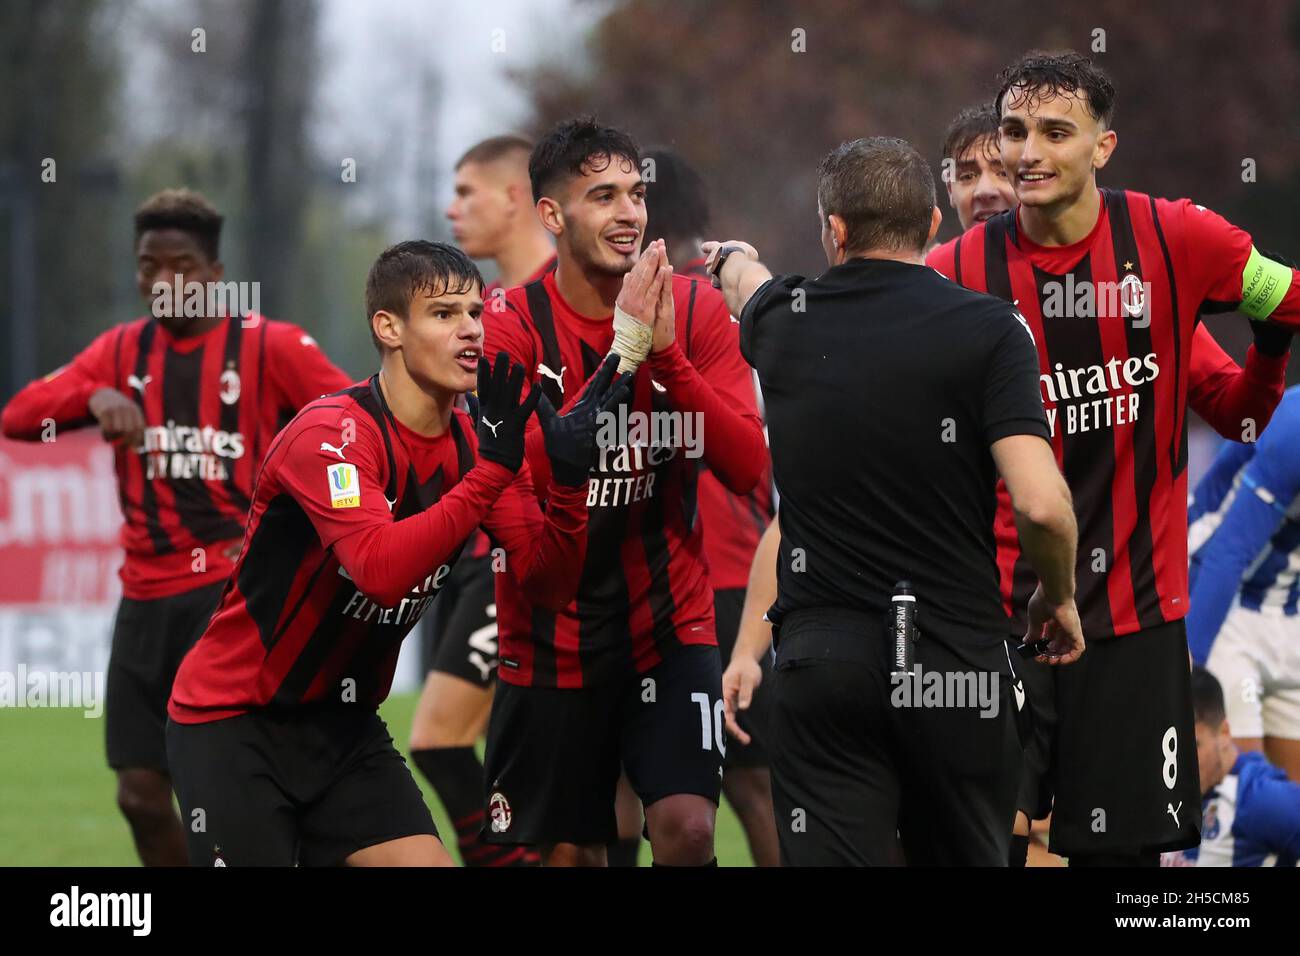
x,y
119,95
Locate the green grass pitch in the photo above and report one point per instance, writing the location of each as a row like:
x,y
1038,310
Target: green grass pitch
x,y
57,796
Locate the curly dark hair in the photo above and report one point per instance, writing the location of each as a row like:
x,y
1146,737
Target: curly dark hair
x,y
1043,75
573,147
182,209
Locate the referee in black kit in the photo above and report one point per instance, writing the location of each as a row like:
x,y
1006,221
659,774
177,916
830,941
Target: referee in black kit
x,y
895,399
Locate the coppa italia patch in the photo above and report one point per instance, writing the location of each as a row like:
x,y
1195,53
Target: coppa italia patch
x,y
345,490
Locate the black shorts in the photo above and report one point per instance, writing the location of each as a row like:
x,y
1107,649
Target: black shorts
x,y
309,786
553,756
1124,765
858,766
1038,684
464,628
727,608
150,638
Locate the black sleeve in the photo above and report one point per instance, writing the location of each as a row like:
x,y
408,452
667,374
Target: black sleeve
x,y
771,294
1013,404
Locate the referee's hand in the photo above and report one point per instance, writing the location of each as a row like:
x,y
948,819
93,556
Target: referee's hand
x,y
739,681
1059,625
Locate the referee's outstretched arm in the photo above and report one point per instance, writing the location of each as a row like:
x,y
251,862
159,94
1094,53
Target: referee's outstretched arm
x,y
1049,537
736,271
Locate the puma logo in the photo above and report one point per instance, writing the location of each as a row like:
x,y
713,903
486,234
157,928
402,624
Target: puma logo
x,y
139,383
542,369
1173,812
493,425
326,446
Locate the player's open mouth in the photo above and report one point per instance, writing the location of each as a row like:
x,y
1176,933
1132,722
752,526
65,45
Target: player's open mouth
x,y
468,359
624,242
986,215
1033,179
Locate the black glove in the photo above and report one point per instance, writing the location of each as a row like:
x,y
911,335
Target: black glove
x,y
571,438
502,416
1270,337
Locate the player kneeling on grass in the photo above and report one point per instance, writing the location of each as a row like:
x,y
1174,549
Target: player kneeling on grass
x,y
364,502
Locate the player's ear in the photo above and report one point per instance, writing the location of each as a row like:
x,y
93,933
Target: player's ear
x,y
952,200
1106,144
839,232
936,217
548,210
387,328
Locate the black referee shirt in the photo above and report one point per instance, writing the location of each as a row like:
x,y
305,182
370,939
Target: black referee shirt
x,y
885,384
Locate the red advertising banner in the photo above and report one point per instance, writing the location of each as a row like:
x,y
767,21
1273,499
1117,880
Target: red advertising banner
x,y
59,522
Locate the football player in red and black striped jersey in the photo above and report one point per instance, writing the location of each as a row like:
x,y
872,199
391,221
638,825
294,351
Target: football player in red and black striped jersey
x,y
191,398
1221,392
364,503
1111,283
492,217
626,674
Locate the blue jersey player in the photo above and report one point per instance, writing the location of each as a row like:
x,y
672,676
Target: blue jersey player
x,y
1251,812
1244,541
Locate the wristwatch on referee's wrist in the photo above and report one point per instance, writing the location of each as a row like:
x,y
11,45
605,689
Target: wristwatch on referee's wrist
x,y
716,271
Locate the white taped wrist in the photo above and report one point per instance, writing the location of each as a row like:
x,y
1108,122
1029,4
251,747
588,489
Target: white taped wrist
x,y
632,341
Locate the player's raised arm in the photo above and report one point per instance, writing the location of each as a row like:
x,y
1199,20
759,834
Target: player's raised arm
x,y
76,395
346,503
712,380
545,552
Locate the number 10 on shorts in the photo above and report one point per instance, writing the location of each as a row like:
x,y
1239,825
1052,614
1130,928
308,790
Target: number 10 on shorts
x,y
711,730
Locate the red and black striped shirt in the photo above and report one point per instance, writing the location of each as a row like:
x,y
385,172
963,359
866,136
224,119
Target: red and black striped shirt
x,y
1115,386
733,523
211,403
356,521
644,589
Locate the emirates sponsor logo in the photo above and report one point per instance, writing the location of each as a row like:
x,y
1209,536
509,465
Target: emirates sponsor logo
x,y
1097,396
174,451
625,475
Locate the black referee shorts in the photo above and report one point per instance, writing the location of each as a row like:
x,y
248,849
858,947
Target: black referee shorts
x,y
308,786
858,765
1124,765
150,638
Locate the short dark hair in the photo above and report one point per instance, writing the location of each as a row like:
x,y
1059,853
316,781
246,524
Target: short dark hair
x,y
182,209
494,148
1207,698
967,128
882,189
1044,75
676,206
403,271
574,146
